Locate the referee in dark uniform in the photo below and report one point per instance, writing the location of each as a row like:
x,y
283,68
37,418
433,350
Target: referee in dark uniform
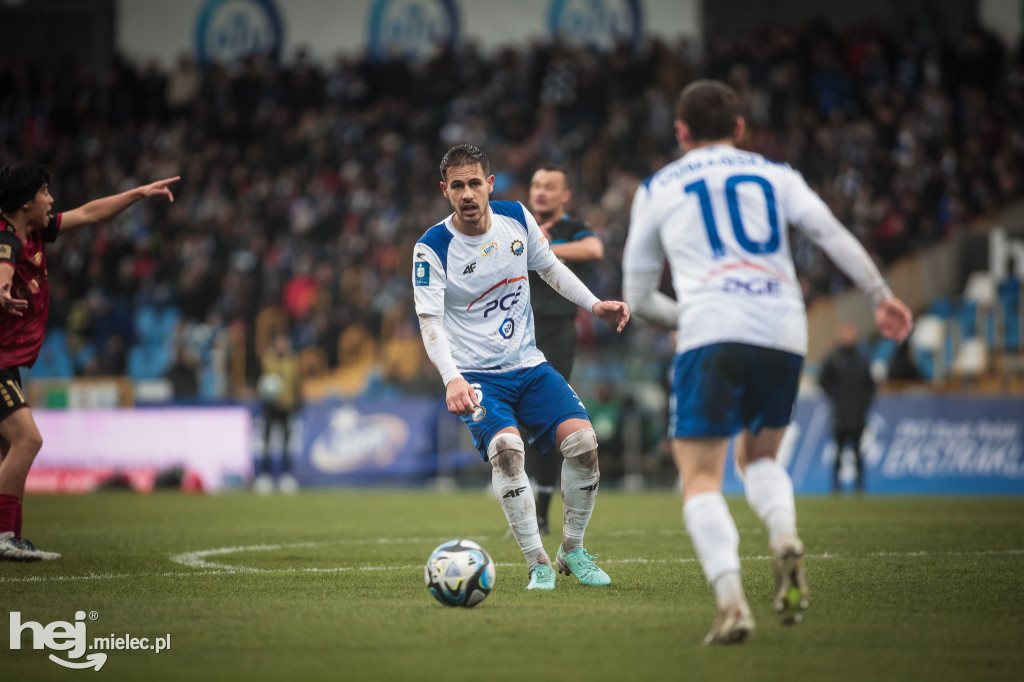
x,y
578,247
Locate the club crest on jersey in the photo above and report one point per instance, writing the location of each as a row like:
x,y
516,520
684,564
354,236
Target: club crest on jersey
x,y
489,249
38,258
508,328
422,274
517,247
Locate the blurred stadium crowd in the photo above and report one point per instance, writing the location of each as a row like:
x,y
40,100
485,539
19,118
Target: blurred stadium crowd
x,y
305,185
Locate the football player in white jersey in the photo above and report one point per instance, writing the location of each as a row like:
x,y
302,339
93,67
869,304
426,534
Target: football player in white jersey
x,y
472,293
719,216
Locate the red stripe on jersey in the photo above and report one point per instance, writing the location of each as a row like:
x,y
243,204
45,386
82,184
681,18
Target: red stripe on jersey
x,y
499,284
744,264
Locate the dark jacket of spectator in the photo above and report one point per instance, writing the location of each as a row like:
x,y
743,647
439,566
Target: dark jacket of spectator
x,y
846,379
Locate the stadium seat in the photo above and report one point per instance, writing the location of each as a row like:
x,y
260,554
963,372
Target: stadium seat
x,y
971,360
981,293
928,342
54,360
1009,292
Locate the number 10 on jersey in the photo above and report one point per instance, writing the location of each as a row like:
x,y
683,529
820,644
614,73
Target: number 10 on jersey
x,y
771,245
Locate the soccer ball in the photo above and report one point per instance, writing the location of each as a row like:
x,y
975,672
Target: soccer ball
x,y
269,386
459,573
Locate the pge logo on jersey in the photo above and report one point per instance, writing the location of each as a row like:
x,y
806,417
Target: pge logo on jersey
x,y
505,303
599,24
758,286
230,30
73,639
412,28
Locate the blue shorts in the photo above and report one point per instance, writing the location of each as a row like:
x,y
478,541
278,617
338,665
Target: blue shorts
x,y
538,397
721,389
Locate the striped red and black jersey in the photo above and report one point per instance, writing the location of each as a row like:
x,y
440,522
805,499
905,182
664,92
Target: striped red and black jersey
x,y
21,337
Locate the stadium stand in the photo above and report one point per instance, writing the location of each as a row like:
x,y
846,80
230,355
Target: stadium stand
x,y
305,185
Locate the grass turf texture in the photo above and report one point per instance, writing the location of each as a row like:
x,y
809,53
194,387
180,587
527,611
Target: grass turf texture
x,y
902,589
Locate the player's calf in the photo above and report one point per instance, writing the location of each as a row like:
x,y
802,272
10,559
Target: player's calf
x,y
581,477
511,485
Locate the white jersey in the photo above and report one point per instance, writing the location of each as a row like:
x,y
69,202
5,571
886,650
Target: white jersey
x,y
719,216
481,287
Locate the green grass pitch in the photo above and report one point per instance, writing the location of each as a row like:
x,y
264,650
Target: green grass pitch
x,y
330,586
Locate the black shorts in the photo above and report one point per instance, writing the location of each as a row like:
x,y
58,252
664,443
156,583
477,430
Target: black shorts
x,y
12,398
556,339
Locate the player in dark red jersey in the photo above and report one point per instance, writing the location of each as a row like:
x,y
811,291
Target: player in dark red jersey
x,y
26,225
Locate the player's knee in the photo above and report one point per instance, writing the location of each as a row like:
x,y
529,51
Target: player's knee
x,y
582,446
507,452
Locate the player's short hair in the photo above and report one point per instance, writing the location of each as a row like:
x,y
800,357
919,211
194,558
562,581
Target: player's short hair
x,y
554,168
19,183
464,155
709,108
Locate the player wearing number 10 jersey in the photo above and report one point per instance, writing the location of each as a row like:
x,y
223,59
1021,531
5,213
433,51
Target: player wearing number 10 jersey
x,y
719,216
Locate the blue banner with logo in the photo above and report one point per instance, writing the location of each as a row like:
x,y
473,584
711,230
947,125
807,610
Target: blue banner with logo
x,y
366,442
911,445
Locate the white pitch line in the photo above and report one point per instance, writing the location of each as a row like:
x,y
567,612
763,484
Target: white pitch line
x,y
213,569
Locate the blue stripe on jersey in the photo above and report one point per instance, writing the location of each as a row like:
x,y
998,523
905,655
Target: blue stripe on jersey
x,y
647,182
510,209
438,238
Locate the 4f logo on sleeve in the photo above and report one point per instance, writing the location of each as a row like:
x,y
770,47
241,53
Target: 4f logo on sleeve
x,y
422,274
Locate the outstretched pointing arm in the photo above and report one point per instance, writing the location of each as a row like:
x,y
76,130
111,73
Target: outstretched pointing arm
x,y
98,210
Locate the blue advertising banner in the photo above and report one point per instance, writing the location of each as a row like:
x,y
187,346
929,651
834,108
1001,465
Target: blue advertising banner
x,y
912,445
364,442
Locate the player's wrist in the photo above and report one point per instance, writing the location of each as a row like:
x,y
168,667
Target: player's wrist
x,y
449,378
880,296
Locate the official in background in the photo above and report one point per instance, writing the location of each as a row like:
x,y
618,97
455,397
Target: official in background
x,y
554,316
278,388
846,380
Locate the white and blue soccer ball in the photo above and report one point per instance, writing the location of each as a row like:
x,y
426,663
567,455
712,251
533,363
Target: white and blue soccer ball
x,y
459,573
269,386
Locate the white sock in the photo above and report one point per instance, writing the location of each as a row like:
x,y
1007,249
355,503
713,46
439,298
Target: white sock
x,y
770,494
512,488
728,589
580,479
717,542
